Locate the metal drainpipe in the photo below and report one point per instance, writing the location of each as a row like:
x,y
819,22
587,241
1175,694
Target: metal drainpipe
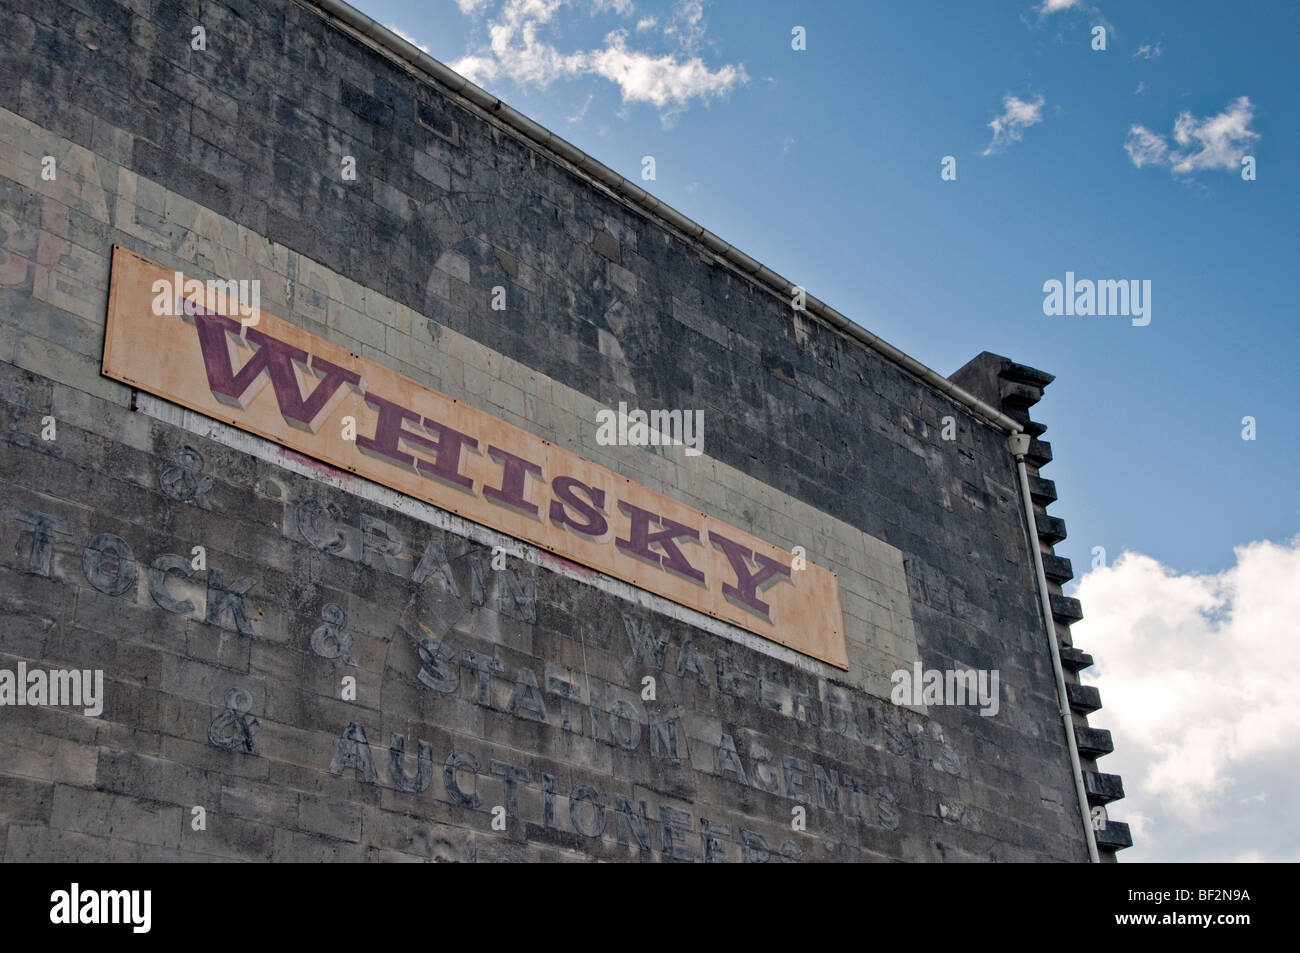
x,y
1019,444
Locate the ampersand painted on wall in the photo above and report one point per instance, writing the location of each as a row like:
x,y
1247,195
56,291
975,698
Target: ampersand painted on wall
x,y
184,482
233,728
328,641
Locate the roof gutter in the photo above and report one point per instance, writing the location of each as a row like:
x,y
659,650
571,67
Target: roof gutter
x,y
393,44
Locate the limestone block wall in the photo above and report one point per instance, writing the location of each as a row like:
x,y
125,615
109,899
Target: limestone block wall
x,y
475,686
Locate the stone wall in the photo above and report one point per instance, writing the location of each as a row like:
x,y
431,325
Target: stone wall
x,y
529,692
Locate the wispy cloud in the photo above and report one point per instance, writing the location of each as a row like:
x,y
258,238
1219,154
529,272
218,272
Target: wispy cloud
x,y
1017,116
1198,676
1216,142
687,24
519,51
1145,147
582,110
1075,11
1048,7
1141,88
1148,51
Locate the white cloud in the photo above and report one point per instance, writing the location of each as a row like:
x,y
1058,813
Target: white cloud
x,y
669,81
1148,51
1017,116
1217,142
1144,147
1141,88
646,23
660,80
1198,675
1077,11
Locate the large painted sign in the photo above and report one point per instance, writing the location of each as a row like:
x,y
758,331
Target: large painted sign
x,y
165,335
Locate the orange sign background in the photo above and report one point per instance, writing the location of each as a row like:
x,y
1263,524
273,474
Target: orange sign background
x,y
162,355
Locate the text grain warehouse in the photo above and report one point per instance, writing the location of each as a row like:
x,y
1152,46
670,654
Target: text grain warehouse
x,y
375,568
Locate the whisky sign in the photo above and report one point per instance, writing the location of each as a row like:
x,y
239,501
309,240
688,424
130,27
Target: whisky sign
x,y
167,335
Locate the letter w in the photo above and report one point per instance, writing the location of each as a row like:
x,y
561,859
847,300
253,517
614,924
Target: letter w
x,y
644,641
277,359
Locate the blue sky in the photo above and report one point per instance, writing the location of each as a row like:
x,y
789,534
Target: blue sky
x,y
825,165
